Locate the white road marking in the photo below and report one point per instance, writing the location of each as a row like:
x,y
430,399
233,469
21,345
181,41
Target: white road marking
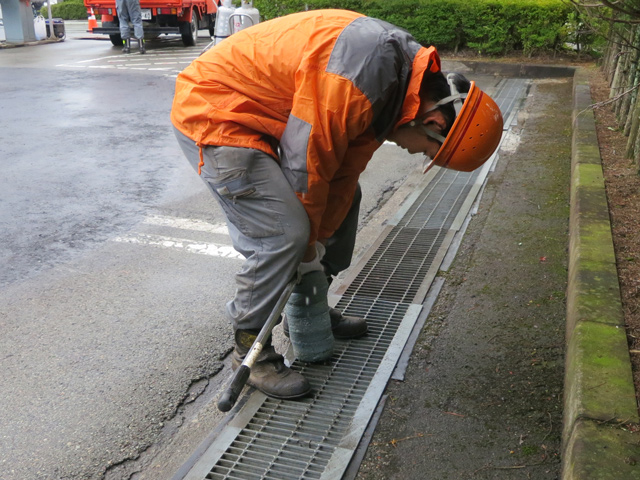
x,y
212,249
187,224
191,246
169,62
100,58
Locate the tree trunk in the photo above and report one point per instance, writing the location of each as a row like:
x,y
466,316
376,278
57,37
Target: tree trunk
x,y
628,81
634,134
636,155
622,76
613,54
634,78
616,71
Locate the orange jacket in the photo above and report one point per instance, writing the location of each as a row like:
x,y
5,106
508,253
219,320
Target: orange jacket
x,y
324,86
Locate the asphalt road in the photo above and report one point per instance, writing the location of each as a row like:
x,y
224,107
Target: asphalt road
x,y
114,264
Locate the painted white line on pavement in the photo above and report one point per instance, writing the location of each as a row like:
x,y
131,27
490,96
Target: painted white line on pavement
x,y
187,224
151,61
212,249
99,59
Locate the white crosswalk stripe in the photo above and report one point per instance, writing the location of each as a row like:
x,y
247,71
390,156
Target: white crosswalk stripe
x,y
185,225
169,61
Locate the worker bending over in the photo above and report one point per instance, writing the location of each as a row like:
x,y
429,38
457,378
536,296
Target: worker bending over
x,y
280,120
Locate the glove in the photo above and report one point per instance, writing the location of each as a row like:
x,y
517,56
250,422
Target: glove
x,y
314,265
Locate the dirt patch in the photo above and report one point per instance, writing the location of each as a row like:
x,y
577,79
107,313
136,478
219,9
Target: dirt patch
x,y
622,184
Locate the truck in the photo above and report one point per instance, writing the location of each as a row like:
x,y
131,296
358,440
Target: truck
x,y
183,17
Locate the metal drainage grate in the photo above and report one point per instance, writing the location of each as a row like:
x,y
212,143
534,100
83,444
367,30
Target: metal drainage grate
x,y
316,437
293,439
397,269
439,203
510,95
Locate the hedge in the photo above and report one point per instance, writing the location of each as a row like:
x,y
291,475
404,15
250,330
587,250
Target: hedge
x,y
493,27
488,27
68,10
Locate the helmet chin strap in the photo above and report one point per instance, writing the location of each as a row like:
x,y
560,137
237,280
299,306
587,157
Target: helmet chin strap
x,y
456,97
430,133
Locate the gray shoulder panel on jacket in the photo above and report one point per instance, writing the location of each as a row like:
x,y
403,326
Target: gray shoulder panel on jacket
x,y
293,153
377,57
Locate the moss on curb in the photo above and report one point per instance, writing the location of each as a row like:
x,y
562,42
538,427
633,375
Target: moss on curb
x,y
599,384
598,380
598,451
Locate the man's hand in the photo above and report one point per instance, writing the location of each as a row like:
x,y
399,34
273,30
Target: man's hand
x,y
310,254
312,264
312,249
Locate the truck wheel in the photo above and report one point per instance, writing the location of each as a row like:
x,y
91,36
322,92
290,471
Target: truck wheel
x,y
189,31
116,39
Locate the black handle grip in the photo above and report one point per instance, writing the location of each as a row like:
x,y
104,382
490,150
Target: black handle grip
x,y
229,397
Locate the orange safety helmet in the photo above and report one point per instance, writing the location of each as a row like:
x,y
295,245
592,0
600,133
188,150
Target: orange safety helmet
x,y
474,136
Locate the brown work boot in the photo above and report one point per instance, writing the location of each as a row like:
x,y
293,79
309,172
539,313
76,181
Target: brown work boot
x,y
347,327
343,328
269,374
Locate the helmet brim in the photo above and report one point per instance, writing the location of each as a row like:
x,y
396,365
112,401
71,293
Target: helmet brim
x,y
474,135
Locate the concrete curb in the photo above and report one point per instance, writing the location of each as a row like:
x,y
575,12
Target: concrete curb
x,y
4,44
599,393
497,68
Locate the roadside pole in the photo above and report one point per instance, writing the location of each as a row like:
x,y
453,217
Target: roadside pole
x,y
51,33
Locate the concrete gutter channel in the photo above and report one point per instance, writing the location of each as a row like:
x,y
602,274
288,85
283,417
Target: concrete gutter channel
x,y
599,393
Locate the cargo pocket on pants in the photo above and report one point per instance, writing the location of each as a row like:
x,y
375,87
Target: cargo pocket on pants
x,y
244,206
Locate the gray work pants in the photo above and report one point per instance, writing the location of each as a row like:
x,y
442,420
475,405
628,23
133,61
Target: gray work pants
x,y
267,224
129,10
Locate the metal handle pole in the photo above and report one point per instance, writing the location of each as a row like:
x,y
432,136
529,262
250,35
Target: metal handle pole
x,y
229,397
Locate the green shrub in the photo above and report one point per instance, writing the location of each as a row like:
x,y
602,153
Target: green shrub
x,y
541,26
493,27
68,10
489,28
443,27
587,34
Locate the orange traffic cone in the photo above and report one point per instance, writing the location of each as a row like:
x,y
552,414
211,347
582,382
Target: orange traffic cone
x,y
92,20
